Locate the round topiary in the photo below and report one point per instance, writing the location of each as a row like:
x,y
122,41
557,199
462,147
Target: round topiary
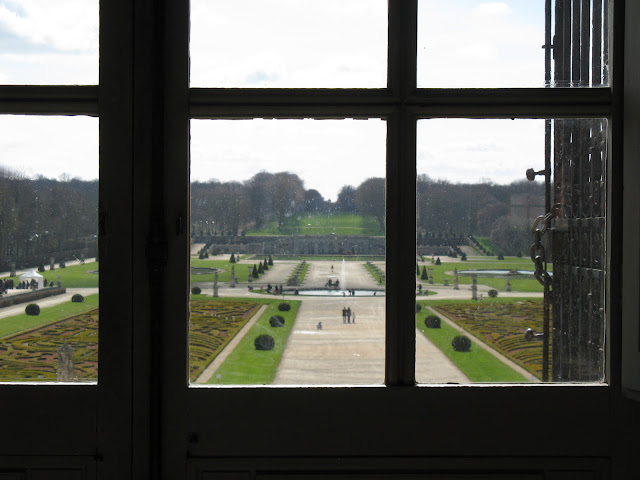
x,y
418,308
284,307
32,309
196,290
276,321
264,342
432,321
501,257
77,298
493,293
461,343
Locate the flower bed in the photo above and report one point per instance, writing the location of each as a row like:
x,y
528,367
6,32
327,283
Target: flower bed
x,y
502,326
33,354
212,326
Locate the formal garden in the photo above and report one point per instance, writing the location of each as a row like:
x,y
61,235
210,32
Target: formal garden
x,y
499,323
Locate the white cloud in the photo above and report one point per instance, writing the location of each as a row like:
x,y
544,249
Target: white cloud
x,y
493,9
47,38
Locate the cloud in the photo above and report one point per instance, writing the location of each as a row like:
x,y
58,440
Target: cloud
x,y
493,9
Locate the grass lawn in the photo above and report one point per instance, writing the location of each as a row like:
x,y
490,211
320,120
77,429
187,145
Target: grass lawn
x,y
241,270
246,365
518,284
19,323
323,224
486,243
501,324
477,364
74,276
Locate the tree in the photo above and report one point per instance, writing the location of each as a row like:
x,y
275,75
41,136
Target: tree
x,y
347,199
425,275
313,201
232,259
288,192
370,199
259,189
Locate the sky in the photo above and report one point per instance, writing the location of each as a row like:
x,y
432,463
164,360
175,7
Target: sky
x,y
292,43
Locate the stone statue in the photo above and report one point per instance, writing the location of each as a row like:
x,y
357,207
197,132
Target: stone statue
x,y
65,363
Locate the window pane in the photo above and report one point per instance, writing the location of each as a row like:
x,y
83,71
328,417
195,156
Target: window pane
x,y
479,44
49,43
288,246
475,275
289,43
48,248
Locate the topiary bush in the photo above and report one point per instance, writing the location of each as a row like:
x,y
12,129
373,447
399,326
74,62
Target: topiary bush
x,y
264,342
493,293
196,290
284,307
418,308
32,309
77,298
461,343
501,257
277,321
432,321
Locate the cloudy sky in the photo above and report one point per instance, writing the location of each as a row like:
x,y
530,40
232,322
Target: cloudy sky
x,y
292,43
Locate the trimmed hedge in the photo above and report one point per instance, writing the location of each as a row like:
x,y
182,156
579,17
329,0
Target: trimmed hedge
x,y
196,290
461,343
432,321
418,308
493,293
277,321
284,307
264,342
77,298
32,309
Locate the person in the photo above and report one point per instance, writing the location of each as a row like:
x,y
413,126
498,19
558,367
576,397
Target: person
x,y
349,315
344,315
353,316
319,326
332,268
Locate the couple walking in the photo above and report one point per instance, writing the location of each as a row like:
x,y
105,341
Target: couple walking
x,y
347,315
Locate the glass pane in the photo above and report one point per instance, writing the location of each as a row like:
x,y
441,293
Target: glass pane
x,y
482,312
288,252
49,43
48,249
287,43
479,44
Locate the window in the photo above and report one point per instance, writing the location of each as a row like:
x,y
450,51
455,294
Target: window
x,y
143,420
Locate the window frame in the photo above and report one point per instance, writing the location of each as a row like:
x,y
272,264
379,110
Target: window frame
x,y
142,418
400,104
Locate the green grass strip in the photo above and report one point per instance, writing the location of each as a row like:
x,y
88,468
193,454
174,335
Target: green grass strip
x,y
303,274
247,366
375,275
74,276
477,364
332,258
21,322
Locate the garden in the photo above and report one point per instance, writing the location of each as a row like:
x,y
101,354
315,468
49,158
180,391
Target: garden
x,y
500,323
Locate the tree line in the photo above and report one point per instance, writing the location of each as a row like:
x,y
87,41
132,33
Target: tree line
x,y
485,209
42,218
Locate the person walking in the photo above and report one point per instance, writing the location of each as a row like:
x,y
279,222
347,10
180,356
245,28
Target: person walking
x,y
344,315
349,315
353,316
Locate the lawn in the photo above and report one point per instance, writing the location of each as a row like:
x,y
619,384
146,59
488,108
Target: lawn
x,y
18,323
324,224
241,270
74,276
245,364
518,284
477,364
486,243
501,324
